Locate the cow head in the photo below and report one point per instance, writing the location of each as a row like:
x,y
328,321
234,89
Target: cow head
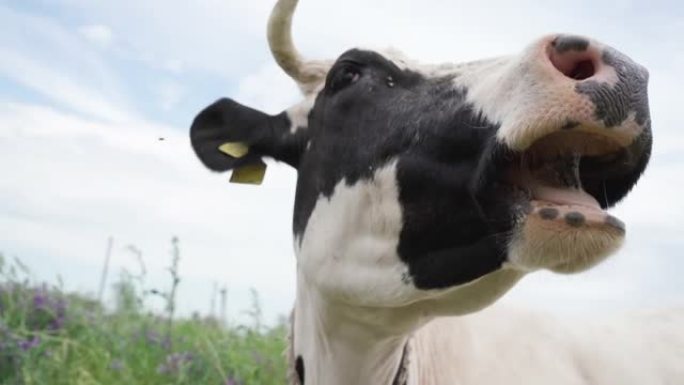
x,y
444,184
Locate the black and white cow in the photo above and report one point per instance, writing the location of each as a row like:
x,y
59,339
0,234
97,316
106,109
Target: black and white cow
x,y
425,192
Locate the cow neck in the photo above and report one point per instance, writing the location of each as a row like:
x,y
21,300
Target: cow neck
x,y
342,344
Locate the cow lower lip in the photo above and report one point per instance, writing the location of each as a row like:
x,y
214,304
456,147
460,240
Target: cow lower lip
x,y
566,207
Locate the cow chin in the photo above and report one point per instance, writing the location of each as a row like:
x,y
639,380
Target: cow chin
x,y
541,243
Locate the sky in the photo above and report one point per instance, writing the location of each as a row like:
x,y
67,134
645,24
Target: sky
x,y
88,88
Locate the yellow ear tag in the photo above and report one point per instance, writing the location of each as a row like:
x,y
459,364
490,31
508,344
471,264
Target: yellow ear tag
x,y
249,174
234,149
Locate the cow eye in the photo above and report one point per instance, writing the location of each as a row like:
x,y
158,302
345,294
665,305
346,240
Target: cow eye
x,y
344,76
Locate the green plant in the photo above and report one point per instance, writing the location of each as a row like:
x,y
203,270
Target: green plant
x,y
48,336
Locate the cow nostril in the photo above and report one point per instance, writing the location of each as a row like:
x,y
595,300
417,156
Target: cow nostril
x,y
573,64
582,70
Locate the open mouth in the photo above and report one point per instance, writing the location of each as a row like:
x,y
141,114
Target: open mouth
x,y
553,173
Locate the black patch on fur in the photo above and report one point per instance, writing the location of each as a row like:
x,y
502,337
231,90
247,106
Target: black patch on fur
x,y
228,121
299,368
565,43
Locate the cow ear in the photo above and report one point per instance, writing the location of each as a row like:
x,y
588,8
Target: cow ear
x,y
227,135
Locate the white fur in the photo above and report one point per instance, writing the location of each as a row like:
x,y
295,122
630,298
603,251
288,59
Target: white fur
x,y
299,114
506,346
348,250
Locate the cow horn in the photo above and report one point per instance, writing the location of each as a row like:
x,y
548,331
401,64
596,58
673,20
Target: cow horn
x,y
307,73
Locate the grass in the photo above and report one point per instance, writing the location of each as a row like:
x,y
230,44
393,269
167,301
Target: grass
x,y
51,337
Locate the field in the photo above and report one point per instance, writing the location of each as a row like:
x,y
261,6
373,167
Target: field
x,y
48,336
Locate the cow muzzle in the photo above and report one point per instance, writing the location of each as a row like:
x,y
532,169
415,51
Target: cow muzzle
x,y
586,146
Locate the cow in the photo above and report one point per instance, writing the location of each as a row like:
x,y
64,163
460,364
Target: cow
x,y
425,192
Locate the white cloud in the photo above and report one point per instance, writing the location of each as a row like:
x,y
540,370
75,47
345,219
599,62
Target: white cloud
x,y
174,65
60,87
98,34
170,93
207,35
54,62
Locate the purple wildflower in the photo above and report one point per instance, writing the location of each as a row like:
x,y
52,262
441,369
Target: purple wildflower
x,y
30,343
146,335
175,363
45,309
152,337
166,343
231,381
57,323
59,309
40,299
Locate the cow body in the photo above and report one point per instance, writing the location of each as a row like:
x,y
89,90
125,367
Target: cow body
x,y
428,191
508,346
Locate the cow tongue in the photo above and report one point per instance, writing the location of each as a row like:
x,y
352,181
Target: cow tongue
x,y
557,181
